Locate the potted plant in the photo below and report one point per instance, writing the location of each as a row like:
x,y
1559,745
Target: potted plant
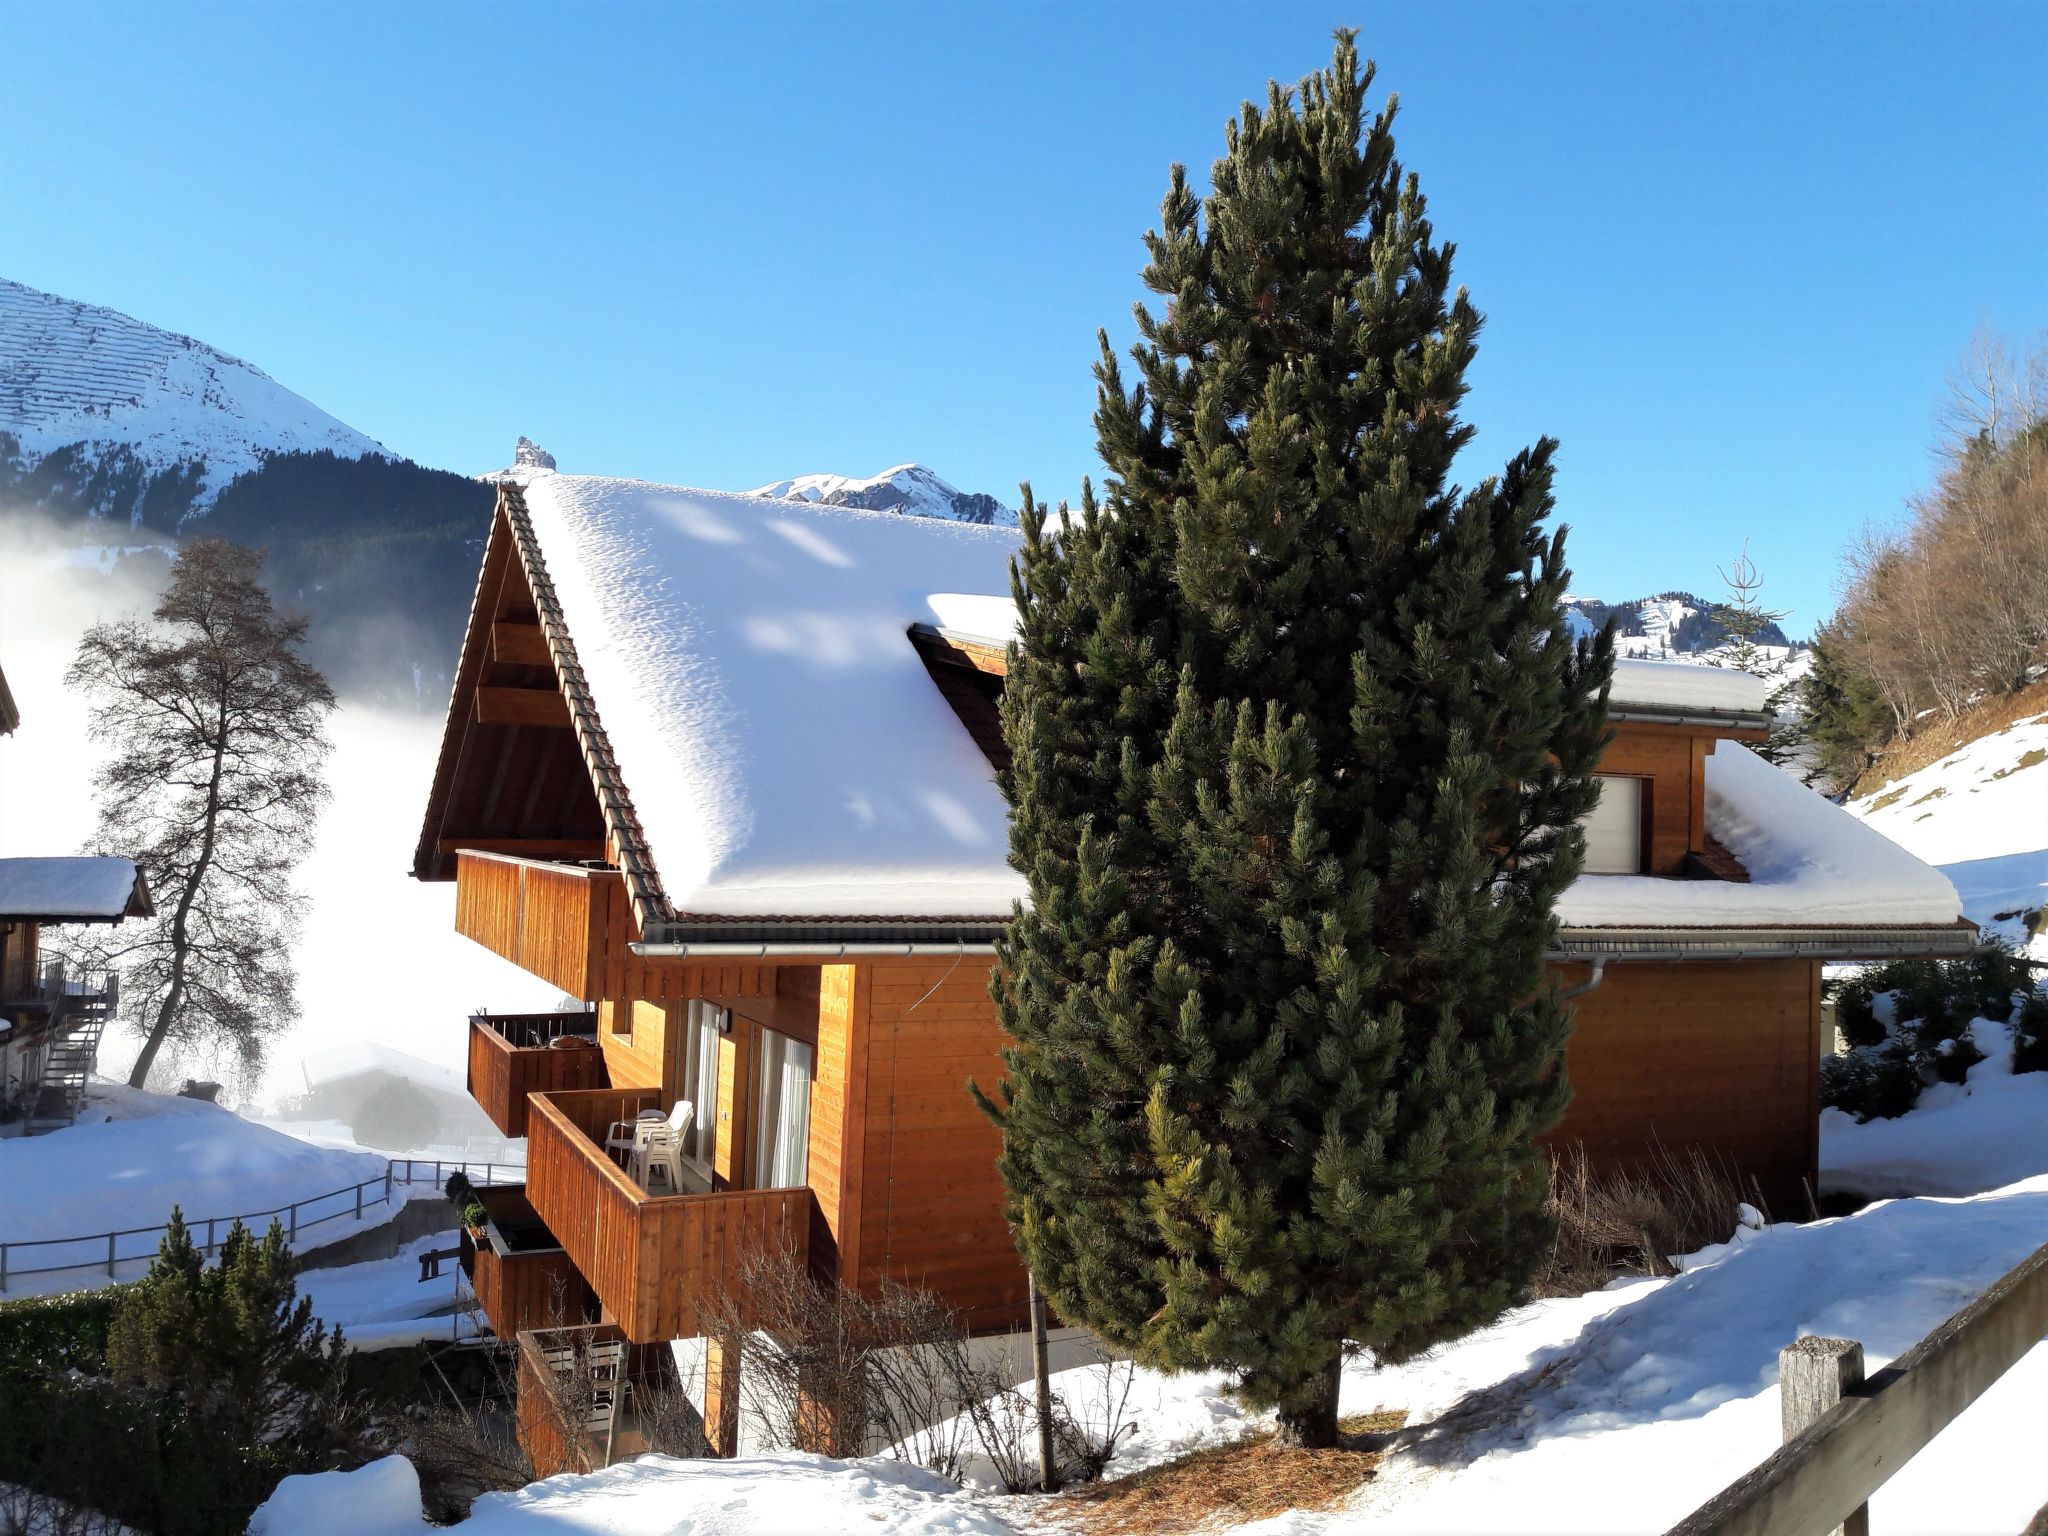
x,y
469,1209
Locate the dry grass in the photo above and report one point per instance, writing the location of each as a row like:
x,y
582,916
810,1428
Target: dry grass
x,y
1938,738
1631,1221
1226,1485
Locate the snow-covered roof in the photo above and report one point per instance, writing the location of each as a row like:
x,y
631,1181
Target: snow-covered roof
x,y
1811,864
52,890
356,1058
788,756
785,749
1683,687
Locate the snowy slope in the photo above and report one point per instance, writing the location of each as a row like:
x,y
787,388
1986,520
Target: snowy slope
x,y
1981,815
910,489
77,374
1619,1411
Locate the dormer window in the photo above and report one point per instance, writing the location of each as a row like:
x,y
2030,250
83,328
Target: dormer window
x,y
1614,827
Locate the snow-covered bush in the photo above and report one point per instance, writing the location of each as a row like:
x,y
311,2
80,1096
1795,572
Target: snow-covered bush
x,y
1911,1023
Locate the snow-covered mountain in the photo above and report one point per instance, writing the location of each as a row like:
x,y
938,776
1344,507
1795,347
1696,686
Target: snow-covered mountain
x,y
104,406
528,459
1669,626
907,488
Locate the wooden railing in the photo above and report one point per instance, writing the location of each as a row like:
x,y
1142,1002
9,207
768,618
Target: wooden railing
x,y
512,1056
1846,1437
548,919
524,1287
657,1262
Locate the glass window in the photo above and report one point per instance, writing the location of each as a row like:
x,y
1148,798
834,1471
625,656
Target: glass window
x,y
1614,828
782,1113
703,1025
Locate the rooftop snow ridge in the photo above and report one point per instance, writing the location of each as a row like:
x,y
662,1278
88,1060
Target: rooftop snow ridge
x,y
1681,685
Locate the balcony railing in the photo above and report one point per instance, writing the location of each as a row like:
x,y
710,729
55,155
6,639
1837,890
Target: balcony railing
x,y
514,1055
659,1263
521,1276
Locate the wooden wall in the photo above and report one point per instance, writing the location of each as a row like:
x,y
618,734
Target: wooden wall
x,y
17,959
1722,1055
1673,761
925,1203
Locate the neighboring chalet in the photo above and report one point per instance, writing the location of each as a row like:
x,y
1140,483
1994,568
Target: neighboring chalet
x,y
51,1019
724,767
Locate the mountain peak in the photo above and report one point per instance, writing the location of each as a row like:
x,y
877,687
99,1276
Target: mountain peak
x,y
91,383
528,459
912,489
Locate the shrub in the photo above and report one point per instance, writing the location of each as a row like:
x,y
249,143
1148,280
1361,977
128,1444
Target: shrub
x,y
1630,1221
1907,1023
2030,1034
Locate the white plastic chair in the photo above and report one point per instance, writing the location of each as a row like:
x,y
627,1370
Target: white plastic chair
x,y
624,1135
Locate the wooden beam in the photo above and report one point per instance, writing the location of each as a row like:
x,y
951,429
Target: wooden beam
x,y
526,847
521,644
522,706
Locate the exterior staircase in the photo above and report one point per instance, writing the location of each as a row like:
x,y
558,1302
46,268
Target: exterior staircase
x,y
79,1020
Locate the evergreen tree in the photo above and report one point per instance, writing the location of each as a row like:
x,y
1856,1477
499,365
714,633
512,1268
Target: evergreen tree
x,y
1747,621
1844,713
1301,746
235,1345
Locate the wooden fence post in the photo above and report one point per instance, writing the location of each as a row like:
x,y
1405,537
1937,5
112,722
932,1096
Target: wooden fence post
x,y
1814,1374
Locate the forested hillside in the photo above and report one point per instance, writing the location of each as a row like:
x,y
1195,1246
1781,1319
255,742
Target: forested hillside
x,y
1946,614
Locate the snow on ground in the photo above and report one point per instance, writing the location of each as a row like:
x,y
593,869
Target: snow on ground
x,y
133,1155
654,1496
1981,815
1619,1411
1957,1139
383,1303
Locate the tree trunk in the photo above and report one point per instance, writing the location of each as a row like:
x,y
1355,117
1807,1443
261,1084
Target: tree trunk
x,y
1310,1424
181,941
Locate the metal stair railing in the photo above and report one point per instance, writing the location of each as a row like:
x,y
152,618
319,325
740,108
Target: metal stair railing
x,y
103,1253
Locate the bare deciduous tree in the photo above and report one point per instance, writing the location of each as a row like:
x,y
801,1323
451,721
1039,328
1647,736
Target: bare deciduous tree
x,y
215,725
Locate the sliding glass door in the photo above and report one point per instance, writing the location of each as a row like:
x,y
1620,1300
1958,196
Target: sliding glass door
x,y
782,1112
703,1025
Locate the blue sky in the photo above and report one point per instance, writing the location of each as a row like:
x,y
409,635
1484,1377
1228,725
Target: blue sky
x,y
1726,251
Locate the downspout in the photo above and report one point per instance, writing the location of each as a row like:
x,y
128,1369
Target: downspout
x,y
1594,977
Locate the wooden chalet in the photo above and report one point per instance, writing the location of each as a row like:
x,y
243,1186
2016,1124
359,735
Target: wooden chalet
x,y
723,767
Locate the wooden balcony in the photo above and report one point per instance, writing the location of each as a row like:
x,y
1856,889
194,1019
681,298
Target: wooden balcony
x,y
572,926
522,1277
513,1055
657,1262
553,920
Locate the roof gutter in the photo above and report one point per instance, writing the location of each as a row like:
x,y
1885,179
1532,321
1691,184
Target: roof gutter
x,y
741,949
1614,944
1720,719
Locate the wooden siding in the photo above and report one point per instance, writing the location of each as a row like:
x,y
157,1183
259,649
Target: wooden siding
x,y
927,1207
573,928
651,1260
1720,1055
838,1116
1675,816
502,1074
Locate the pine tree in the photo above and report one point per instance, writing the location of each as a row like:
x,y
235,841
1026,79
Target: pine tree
x,y
1301,746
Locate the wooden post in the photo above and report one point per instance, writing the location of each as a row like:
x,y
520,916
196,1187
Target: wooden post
x,y
1814,1374
722,1395
1041,1380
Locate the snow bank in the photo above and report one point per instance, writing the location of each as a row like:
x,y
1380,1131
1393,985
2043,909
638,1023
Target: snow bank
x,y
1987,1131
785,748
133,1155
1810,864
1981,815
1629,1422
382,1499
1681,685
57,888
993,619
